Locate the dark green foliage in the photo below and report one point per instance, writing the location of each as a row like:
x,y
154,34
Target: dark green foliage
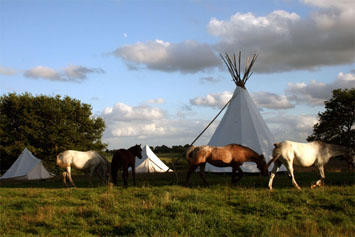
x,y
336,123
46,126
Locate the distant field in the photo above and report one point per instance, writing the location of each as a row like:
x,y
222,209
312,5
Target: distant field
x,y
158,205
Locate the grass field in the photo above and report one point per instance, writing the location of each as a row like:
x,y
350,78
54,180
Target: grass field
x,y
159,206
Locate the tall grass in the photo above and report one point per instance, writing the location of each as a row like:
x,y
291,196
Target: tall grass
x,y
156,207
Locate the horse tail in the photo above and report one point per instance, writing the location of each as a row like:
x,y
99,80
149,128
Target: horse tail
x,y
189,153
276,153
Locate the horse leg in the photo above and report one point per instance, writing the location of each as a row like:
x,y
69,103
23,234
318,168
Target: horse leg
x,y
320,182
114,171
276,168
189,172
69,176
92,171
203,174
125,176
134,176
289,168
98,173
65,178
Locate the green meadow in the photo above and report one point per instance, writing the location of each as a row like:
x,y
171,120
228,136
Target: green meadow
x,y
159,205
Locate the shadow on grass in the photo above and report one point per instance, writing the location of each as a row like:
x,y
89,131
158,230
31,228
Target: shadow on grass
x,y
250,180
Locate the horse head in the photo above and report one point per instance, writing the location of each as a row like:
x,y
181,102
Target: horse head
x,y
138,151
262,166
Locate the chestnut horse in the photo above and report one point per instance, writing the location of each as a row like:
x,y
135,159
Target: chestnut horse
x,y
230,155
124,159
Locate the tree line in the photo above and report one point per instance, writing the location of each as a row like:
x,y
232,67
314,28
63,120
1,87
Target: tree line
x,y
46,126
49,125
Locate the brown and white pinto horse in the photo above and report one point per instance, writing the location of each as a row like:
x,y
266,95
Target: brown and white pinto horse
x,y
124,159
231,155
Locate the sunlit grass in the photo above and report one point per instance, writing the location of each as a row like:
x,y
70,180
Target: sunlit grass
x,y
158,207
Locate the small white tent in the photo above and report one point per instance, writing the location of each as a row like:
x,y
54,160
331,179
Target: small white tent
x,y
27,167
150,163
242,123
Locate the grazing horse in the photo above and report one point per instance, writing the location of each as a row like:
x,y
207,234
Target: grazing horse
x,y
309,154
124,159
91,160
230,155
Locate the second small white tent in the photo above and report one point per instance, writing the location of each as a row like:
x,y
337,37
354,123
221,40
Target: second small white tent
x,y
150,163
27,167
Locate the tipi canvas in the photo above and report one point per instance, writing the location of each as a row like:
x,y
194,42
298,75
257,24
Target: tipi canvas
x,y
150,163
27,167
242,123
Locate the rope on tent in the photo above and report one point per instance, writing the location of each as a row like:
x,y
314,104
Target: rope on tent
x,y
212,120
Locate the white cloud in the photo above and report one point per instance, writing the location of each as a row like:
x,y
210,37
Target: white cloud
x,y
156,101
261,99
128,125
271,101
315,93
217,100
43,72
7,71
70,73
186,57
123,112
284,41
292,127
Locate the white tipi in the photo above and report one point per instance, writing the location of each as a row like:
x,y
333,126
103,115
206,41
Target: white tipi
x,y
150,163
27,167
242,123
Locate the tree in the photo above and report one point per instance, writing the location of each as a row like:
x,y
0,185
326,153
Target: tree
x,y
46,126
336,123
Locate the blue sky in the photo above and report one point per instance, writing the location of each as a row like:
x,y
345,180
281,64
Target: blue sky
x,y
151,68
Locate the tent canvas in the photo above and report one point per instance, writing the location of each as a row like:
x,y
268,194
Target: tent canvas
x,y
242,123
27,167
150,163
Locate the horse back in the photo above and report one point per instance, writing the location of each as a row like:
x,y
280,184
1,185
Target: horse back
x,y
242,153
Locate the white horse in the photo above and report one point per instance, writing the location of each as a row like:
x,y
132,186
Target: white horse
x,y
83,160
314,153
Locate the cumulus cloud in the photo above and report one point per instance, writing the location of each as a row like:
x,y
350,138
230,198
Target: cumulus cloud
x,y
70,73
123,112
284,41
261,99
315,93
7,71
292,127
128,125
186,57
217,100
271,101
